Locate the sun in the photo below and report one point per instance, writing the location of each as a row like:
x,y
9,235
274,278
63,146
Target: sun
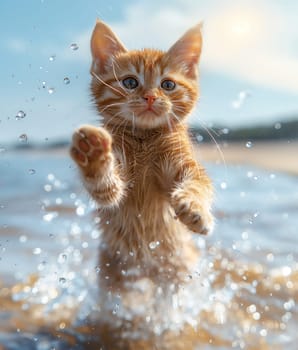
x,y
242,27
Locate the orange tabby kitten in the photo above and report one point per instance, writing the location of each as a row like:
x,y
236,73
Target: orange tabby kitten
x,y
139,167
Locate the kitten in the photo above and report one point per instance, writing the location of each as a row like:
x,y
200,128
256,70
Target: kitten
x,y
139,167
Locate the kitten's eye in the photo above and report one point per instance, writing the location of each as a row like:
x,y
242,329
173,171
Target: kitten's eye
x,y
130,83
168,85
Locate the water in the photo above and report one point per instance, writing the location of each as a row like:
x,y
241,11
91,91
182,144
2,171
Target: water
x,y
74,46
243,294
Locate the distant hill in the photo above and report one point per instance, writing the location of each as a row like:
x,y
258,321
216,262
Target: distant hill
x,y
287,130
277,131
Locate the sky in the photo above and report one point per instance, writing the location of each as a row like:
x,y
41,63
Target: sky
x,y
248,69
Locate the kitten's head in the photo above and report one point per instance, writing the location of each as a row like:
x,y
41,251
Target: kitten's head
x,y
146,88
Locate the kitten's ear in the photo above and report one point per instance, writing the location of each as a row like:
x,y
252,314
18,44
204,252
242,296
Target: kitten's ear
x,y
187,50
104,46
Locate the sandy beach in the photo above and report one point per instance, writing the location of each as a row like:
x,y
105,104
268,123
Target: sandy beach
x,y
270,155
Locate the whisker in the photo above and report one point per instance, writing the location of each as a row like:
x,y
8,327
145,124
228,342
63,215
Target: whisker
x,y
176,117
115,75
112,119
169,123
217,146
209,128
106,84
133,123
111,105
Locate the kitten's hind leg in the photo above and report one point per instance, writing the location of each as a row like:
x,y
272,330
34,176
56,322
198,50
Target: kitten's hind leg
x,y
92,151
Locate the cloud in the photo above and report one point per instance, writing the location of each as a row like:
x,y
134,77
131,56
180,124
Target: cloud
x,y
251,40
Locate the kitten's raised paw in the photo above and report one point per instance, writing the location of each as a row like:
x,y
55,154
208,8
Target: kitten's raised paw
x,y
91,149
195,216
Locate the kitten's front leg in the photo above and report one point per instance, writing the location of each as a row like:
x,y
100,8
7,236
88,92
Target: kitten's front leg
x,y
191,201
92,151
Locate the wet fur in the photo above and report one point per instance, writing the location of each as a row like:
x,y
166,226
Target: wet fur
x,y
139,166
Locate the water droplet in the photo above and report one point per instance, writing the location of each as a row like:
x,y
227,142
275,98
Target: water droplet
x,y
31,171
23,138
20,115
131,253
51,177
286,271
62,280
23,239
244,235
51,90
62,258
58,201
116,308
248,144
225,131
66,81
242,96
200,138
62,325
74,46
263,332
251,308
80,211
223,185
290,304
277,126
52,58
48,188
36,251
43,84
50,216
153,245
97,269
256,316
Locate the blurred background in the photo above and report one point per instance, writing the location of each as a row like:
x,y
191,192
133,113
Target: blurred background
x,y
249,66
245,129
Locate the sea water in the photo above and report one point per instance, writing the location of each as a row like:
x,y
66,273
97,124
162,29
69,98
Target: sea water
x,y
242,295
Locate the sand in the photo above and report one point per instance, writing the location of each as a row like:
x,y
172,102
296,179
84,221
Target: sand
x,y
270,155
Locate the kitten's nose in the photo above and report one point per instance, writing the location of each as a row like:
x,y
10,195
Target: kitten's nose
x,y
150,99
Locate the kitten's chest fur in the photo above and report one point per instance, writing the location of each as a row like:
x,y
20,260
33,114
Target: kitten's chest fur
x,y
142,158
145,215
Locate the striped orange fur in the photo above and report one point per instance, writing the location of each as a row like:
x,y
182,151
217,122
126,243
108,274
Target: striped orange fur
x,y
139,165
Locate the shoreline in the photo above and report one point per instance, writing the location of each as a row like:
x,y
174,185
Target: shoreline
x,y
271,155
278,156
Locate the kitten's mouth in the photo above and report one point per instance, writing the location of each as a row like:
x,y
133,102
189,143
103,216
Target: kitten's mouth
x,y
148,112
